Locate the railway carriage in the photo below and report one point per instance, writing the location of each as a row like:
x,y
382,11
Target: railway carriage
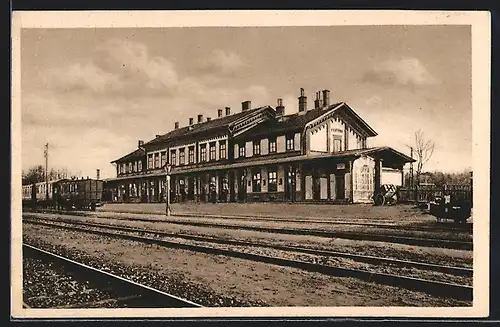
x,y
80,194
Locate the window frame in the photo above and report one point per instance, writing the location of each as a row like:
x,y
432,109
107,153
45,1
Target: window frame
x,y
256,148
212,151
241,150
150,161
203,153
337,141
289,140
173,157
222,150
157,160
163,158
272,145
256,182
191,155
272,180
182,157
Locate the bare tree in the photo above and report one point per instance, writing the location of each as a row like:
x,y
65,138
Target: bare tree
x,y
423,151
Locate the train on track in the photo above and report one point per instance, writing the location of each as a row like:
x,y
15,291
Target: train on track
x,y
67,194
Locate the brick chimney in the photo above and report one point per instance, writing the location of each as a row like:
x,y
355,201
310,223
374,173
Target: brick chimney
x,y
191,121
326,98
200,119
302,101
98,174
176,125
228,111
280,109
219,113
245,105
140,143
317,101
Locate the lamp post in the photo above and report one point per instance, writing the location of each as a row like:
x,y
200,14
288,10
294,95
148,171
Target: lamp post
x,y
167,168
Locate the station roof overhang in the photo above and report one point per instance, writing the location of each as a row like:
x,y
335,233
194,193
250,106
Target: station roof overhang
x,y
384,153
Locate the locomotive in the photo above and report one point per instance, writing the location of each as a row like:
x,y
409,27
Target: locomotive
x,y
68,194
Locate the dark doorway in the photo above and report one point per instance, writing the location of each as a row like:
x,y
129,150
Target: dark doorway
x,y
232,194
340,186
290,184
182,190
242,186
190,188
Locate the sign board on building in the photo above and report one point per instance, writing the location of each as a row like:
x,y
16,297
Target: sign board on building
x,y
340,166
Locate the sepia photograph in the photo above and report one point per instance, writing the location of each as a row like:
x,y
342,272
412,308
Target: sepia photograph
x,y
250,163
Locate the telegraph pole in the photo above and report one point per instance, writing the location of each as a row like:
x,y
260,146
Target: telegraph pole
x,y
46,154
411,167
167,189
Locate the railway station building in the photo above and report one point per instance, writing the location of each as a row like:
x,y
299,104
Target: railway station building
x,y
262,154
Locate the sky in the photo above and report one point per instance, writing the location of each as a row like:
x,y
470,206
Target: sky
x,y
92,93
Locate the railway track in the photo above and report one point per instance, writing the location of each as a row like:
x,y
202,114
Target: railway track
x,y
437,288
443,227
459,271
128,293
429,242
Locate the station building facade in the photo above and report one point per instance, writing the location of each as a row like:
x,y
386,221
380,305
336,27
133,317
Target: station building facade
x,y
262,154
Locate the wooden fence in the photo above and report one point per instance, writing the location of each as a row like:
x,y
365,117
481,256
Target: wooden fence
x,y
427,194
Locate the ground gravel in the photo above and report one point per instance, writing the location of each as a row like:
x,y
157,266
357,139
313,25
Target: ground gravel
x,y
46,285
213,280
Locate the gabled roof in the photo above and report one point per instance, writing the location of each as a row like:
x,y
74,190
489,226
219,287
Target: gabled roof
x,y
137,153
343,107
214,127
287,123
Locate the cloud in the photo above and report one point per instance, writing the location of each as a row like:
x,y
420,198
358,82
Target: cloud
x,y
116,67
221,63
404,72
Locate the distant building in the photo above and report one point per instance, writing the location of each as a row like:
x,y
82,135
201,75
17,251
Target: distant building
x,y
262,154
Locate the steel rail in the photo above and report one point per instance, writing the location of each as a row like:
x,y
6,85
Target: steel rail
x,y
459,271
440,289
429,242
148,296
448,228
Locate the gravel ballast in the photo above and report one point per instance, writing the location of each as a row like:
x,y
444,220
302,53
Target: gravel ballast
x,y
214,280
